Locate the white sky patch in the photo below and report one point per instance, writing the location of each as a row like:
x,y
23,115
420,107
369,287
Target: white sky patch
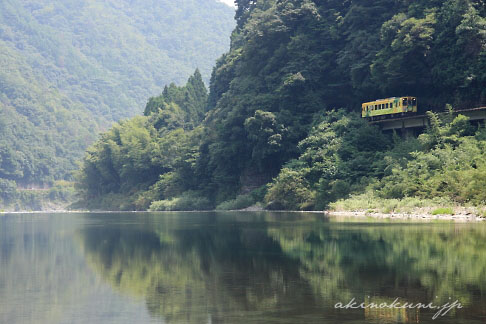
x,y
230,3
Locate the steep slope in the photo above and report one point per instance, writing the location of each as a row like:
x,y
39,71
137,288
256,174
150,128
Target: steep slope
x,y
291,61
70,68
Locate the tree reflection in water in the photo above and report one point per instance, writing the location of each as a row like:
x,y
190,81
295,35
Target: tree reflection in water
x,y
237,267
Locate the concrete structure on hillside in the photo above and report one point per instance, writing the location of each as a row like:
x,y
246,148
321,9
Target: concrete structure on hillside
x,y
410,125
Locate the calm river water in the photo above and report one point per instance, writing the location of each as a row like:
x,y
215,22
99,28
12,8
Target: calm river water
x,y
236,268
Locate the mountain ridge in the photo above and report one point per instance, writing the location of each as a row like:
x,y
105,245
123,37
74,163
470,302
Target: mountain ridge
x,y
69,69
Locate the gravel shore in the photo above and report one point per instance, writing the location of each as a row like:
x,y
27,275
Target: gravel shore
x,y
411,216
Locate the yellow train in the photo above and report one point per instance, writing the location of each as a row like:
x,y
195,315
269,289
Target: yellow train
x,y
389,108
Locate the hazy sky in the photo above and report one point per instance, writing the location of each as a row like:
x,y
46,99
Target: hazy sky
x,y
229,2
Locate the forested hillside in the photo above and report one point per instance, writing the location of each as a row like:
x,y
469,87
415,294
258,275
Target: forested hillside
x,y
292,61
68,69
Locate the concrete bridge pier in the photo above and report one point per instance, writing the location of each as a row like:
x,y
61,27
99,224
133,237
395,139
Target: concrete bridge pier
x,y
408,132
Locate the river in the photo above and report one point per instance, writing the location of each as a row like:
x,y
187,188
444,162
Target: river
x,y
238,267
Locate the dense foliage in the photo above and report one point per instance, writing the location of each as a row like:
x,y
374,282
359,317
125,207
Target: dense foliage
x,y
340,155
290,62
293,59
68,69
12,198
451,164
343,155
150,157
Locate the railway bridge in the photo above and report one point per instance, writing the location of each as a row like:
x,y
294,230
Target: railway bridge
x,y
410,125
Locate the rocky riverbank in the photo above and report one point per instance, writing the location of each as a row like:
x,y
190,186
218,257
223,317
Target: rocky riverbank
x,y
417,216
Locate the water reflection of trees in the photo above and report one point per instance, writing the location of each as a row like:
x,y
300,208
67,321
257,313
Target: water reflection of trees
x,y
225,272
421,263
231,269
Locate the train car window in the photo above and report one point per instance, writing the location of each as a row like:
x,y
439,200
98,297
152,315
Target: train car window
x,y
414,101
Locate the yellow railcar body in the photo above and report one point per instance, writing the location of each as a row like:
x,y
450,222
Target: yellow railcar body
x,y
383,108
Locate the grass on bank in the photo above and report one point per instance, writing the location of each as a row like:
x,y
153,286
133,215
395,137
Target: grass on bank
x,y
443,211
371,203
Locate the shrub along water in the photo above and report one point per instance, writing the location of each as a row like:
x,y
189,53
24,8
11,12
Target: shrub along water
x,y
445,165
